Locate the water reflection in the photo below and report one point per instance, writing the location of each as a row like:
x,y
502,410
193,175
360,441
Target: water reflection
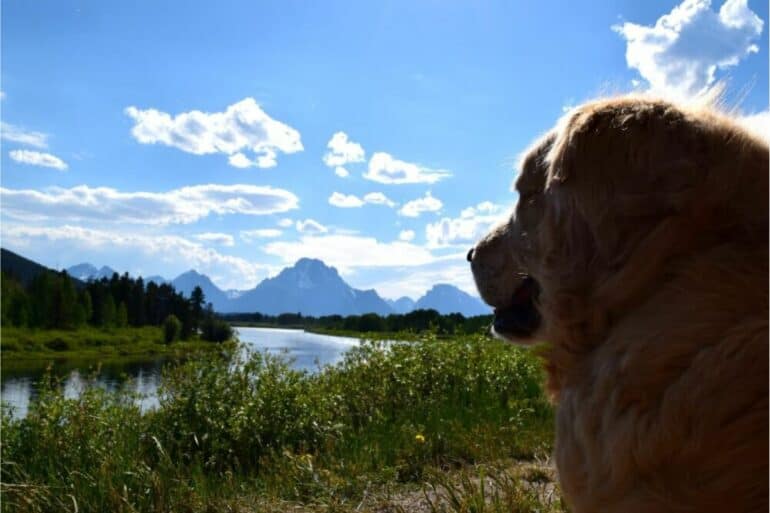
x,y
306,351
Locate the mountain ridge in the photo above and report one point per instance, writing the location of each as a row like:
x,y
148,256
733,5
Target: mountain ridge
x,y
314,288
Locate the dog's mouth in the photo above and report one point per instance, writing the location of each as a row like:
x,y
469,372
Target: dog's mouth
x,y
520,319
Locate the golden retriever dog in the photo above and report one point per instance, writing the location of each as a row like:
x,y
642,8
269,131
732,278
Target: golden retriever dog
x,y
638,254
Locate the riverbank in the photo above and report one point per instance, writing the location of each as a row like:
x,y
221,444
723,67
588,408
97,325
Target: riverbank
x,y
370,433
361,335
19,344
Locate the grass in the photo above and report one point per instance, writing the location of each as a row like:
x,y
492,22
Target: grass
x,y
89,343
394,427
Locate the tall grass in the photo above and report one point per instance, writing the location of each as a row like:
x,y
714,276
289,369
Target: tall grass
x,y
229,428
19,344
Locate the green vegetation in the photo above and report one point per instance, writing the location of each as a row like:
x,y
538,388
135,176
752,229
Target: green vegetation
x,y
56,316
443,425
19,344
171,329
417,321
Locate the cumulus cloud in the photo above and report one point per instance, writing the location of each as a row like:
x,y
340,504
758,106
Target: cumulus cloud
x,y
172,251
285,222
341,172
348,251
20,135
425,204
378,198
680,54
414,281
758,123
473,223
36,158
184,205
383,168
310,226
261,233
352,201
217,238
338,199
242,127
406,235
342,151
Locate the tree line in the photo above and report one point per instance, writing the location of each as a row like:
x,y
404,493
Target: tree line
x,y
415,321
53,300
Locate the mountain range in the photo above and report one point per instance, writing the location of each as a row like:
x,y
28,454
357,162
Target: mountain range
x,y
310,287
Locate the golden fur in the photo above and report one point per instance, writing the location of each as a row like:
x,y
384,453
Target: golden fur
x,y
645,225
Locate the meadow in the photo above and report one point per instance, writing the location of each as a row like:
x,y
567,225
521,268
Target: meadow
x,y
88,342
451,424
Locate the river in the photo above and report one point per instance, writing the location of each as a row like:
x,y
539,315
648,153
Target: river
x,y
306,351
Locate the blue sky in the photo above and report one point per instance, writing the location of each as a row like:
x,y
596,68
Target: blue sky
x,y
156,137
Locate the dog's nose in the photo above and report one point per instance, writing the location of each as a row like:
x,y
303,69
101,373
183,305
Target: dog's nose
x,y
469,257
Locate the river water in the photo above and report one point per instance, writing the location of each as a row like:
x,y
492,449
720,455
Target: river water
x,y
306,351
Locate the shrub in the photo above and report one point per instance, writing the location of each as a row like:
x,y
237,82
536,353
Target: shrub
x,y
231,424
171,329
57,344
216,330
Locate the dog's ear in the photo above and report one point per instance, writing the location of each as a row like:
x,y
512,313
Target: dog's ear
x,y
640,182
626,166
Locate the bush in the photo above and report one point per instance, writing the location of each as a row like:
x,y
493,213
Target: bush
x,y
57,344
228,424
216,330
171,329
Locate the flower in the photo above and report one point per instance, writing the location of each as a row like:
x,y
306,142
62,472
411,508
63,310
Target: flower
x,y
419,438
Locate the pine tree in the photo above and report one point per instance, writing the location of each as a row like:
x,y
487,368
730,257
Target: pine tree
x,y
108,311
121,316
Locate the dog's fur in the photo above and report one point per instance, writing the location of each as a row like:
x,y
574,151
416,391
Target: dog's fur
x,y
645,225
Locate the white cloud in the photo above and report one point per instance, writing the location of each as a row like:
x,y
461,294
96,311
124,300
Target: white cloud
x,y
406,235
425,204
758,123
2,95
341,172
384,168
680,54
342,151
184,205
36,158
240,160
243,126
352,201
285,222
348,251
166,250
217,238
415,281
378,198
19,135
261,233
310,226
473,223
345,200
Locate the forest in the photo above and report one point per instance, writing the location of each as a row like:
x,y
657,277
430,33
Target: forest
x,y
416,321
53,300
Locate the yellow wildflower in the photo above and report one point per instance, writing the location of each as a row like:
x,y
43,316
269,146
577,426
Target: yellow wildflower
x,y
419,438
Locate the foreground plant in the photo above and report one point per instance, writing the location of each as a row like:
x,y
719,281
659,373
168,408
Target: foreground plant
x,y
230,426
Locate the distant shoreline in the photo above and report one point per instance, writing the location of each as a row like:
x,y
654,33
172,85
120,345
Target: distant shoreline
x,y
24,344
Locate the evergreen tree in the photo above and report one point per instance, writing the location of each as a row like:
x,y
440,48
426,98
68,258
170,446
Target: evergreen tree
x,y
121,316
86,303
108,311
197,301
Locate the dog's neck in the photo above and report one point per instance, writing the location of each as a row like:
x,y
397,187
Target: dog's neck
x,y
714,271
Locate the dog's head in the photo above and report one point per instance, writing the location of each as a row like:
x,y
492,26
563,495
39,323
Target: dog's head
x,y
607,201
